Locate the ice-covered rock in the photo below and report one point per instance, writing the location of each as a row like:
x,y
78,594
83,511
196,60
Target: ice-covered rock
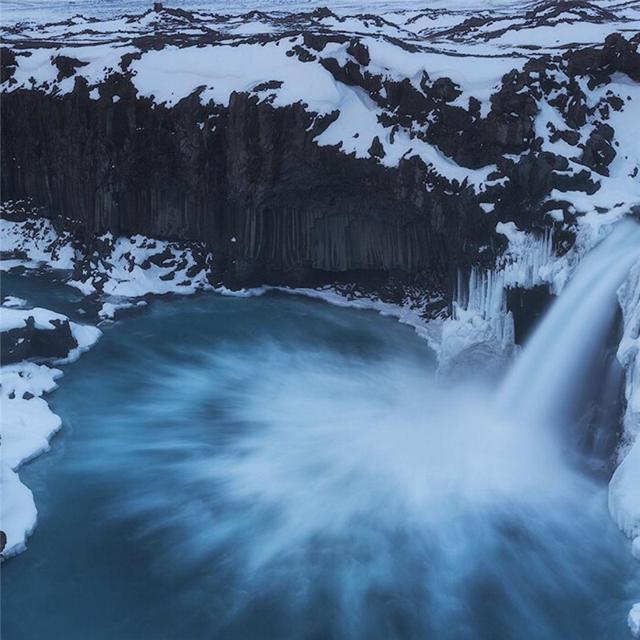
x,y
624,488
634,620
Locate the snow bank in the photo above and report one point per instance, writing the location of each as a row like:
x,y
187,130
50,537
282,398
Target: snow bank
x,y
27,427
129,267
27,421
13,302
137,266
624,487
174,73
45,320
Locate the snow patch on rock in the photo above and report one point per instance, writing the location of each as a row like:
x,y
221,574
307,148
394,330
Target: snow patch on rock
x,y
137,266
34,242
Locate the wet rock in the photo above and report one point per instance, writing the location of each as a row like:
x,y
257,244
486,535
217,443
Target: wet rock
x,y
527,307
30,342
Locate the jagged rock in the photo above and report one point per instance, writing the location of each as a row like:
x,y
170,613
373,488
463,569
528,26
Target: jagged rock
x,y
598,153
30,342
8,64
445,89
376,149
360,52
67,66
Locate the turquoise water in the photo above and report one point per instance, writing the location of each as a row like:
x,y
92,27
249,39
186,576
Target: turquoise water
x,y
275,467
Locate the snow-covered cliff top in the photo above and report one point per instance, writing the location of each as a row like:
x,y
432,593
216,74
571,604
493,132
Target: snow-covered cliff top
x,y
387,85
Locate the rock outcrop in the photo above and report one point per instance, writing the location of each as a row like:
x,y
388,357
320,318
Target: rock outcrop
x,y
34,334
352,157
29,342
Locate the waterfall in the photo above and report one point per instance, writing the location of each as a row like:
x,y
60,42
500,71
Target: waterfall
x,y
557,367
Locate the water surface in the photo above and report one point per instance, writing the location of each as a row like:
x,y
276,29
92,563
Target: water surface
x,y
276,467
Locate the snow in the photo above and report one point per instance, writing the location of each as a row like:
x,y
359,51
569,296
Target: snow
x,y
17,318
13,302
86,336
27,426
17,511
130,273
634,620
27,421
620,187
477,75
40,242
108,310
174,73
474,60
578,32
624,487
134,266
38,68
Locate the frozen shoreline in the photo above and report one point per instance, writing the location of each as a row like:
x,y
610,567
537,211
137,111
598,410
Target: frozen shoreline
x,y
28,424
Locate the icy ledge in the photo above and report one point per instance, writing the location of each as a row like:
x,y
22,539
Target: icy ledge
x,y
27,421
624,488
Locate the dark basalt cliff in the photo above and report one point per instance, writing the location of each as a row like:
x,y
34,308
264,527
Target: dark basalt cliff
x,y
277,208
273,205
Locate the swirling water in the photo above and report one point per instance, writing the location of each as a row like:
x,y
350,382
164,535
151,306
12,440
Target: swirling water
x,y
279,468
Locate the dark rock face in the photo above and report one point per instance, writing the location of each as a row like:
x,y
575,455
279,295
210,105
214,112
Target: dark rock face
x,y
274,207
30,342
249,181
527,307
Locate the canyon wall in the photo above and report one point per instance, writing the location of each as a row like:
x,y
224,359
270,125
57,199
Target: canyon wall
x,y
257,178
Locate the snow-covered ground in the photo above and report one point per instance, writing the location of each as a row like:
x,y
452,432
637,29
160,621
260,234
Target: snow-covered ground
x,y
20,10
401,41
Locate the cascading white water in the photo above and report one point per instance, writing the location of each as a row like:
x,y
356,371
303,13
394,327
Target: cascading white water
x,y
547,382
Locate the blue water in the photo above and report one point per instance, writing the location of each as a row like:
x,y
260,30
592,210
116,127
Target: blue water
x,y
275,467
